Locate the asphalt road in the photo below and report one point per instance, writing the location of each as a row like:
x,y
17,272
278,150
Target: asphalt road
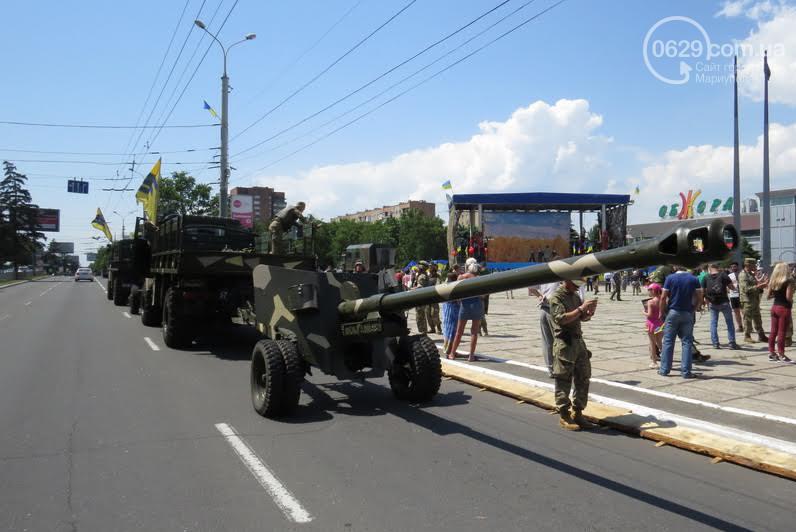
x,y
102,432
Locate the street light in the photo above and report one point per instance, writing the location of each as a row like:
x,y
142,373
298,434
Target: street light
x,y
123,216
224,162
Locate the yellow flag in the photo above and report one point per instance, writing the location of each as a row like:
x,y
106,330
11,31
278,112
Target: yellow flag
x,y
149,193
99,223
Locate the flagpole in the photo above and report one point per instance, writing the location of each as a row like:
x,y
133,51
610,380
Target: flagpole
x,y
766,229
736,172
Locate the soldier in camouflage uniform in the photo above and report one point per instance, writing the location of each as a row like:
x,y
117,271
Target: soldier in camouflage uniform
x,y
434,322
750,289
421,313
282,222
570,356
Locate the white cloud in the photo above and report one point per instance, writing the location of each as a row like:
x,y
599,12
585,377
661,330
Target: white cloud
x,y
732,8
748,8
710,168
540,147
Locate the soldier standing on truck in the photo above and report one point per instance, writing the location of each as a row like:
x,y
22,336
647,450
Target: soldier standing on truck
x,y
284,220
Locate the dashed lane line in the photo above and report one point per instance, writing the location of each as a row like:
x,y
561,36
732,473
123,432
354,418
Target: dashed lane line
x,y
152,345
43,293
285,500
100,285
28,303
126,314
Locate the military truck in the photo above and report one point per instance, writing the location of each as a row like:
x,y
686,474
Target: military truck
x,y
200,273
127,266
374,257
353,325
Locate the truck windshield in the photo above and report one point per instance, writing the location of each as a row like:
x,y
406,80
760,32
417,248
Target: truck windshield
x,y
215,238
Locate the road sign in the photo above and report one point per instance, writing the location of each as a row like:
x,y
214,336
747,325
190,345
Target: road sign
x,y
48,220
91,257
78,187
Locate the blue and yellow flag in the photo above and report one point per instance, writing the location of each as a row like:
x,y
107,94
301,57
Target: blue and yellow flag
x,y
99,223
447,185
212,111
636,190
149,193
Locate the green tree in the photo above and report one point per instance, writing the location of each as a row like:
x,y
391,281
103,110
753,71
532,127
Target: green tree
x,y
748,251
103,259
181,194
19,234
420,237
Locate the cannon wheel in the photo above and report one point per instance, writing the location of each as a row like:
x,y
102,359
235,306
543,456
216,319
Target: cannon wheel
x,y
268,378
135,300
176,332
416,373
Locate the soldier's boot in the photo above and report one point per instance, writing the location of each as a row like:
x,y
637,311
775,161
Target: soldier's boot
x,y
582,422
761,337
747,339
566,421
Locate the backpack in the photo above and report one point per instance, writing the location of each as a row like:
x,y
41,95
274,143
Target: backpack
x,y
714,287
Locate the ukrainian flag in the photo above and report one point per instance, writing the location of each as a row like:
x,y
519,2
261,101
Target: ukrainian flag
x,y
212,111
149,193
447,185
99,223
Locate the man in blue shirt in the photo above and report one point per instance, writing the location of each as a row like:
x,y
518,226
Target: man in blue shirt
x,y
682,295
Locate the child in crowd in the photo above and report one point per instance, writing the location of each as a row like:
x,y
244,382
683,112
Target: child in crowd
x,y
450,315
654,324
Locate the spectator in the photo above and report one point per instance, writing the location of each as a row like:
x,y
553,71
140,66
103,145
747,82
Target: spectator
x,y
607,278
681,296
780,288
635,281
616,279
716,285
450,316
654,324
544,292
547,254
735,296
472,310
595,281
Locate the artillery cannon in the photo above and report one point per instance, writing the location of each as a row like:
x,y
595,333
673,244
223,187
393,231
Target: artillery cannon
x,y
354,325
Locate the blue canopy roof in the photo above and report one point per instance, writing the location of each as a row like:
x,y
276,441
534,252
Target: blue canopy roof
x,y
540,200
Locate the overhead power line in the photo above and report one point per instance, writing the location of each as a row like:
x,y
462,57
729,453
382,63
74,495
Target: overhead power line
x,y
97,126
382,75
324,71
105,163
103,152
422,82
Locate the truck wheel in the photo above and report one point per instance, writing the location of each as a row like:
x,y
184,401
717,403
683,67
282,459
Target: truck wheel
x,y
119,294
416,373
109,290
150,316
294,375
175,329
267,378
135,300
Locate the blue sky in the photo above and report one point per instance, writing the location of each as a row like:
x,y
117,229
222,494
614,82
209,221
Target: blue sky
x,y
93,62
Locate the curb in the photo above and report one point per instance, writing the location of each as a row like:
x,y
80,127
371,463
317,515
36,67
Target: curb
x,y
14,284
721,447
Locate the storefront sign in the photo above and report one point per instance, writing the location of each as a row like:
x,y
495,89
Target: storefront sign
x,y
690,207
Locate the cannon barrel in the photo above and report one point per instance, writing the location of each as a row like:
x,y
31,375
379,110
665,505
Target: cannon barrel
x,y
689,244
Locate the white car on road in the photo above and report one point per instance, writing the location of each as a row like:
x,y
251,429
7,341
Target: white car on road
x,y
84,274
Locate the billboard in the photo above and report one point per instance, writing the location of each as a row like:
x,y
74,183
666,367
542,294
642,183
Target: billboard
x,y
242,209
63,247
526,236
49,220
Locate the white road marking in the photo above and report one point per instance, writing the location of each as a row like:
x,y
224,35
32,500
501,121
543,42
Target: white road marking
x,y
152,345
53,286
658,393
126,314
285,500
28,303
5,317
100,285
661,415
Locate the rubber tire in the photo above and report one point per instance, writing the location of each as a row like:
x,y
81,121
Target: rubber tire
x,y
416,373
119,295
109,290
135,301
150,316
176,332
294,376
267,379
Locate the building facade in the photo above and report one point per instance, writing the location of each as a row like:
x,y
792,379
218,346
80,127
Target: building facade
x,y
266,202
783,224
389,211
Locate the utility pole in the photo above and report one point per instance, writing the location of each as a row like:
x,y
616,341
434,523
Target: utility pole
x,y
223,199
736,174
765,230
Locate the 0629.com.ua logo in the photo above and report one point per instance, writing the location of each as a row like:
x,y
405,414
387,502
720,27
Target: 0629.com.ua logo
x,y
678,49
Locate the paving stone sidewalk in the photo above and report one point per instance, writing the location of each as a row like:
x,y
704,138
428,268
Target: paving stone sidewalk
x,y
618,341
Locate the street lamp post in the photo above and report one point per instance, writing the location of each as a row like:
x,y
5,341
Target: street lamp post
x,y
123,217
224,162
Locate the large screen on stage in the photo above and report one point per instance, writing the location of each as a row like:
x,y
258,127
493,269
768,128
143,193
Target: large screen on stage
x,y
526,236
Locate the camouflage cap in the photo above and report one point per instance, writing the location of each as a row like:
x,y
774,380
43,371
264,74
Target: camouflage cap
x,y
423,263
750,260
